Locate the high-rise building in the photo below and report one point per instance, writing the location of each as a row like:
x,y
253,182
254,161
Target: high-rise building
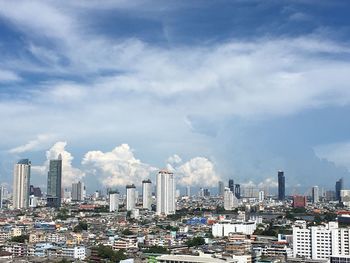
x,y
54,183
21,183
261,196
221,188
33,201
315,195
230,201
188,191
113,201
78,191
231,185
339,185
36,191
281,186
130,197
165,193
147,194
238,191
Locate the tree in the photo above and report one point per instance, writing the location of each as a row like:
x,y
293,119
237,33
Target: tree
x,y
195,242
156,250
127,232
20,239
80,227
106,252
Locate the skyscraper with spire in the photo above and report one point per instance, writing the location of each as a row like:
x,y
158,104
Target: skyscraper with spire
x,y
54,183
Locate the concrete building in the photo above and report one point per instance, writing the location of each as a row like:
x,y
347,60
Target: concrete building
x,y
299,201
147,194
221,188
78,191
281,186
1,196
54,183
225,229
165,193
345,197
21,183
261,196
113,202
77,252
315,195
130,197
230,201
320,242
197,259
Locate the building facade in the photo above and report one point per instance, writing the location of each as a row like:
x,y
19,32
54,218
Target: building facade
x,y
147,194
165,193
281,186
21,184
54,183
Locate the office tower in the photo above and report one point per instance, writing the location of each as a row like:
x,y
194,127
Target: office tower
x,y
221,188
165,193
315,195
147,194
36,191
78,191
201,192
54,182
238,191
299,201
113,201
231,185
230,201
281,186
1,195
206,192
339,185
261,196
188,191
130,197
21,183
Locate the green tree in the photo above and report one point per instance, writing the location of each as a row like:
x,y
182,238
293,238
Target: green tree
x,y
156,250
195,242
20,239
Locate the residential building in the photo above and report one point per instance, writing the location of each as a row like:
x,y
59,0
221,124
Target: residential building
x,y
130,197
21,183
78,191
147,194
165,193
54,182
113,201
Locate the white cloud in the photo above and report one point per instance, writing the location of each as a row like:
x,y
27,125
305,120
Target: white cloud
x,y
38,143
70,174
9,76
198,171
118,167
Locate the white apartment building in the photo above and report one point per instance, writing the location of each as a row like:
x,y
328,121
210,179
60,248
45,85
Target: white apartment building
x,y
113,202
78,252
230,201
320,242
21,182
130,197
226,229
165,193
147,194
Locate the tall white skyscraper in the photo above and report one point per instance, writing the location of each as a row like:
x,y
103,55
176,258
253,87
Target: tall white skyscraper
x,y
147,194
261,196
78,191
165,193
230,201
315,195
21,183
130,197
113,201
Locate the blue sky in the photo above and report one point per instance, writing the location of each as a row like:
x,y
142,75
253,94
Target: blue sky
x,y
210,89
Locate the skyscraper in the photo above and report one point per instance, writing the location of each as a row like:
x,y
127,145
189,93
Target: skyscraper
x,y
339,185
78,191
165,193
188,191
1,195
113,201
221,188
130,197
238,191
281,186
231,185
147,194
21,183
54,182
315,195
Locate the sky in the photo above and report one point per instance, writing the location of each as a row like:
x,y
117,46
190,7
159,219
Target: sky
x,y
211,90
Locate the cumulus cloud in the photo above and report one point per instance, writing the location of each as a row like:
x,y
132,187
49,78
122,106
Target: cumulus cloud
x,y
198,171
70,174
8,76
38,143
118,167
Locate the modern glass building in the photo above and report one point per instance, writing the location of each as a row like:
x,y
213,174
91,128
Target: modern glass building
x,y
281,186
54,183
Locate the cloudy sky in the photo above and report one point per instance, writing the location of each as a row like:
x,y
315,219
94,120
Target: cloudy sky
x,y
211,89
